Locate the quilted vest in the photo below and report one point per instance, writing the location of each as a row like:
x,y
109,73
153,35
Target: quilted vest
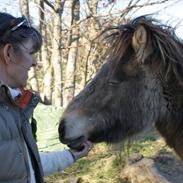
x,y
15,131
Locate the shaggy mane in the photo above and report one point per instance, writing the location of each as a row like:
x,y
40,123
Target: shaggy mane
x,y
166,45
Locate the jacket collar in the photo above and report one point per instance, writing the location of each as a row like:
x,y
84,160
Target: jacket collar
x,y
18,97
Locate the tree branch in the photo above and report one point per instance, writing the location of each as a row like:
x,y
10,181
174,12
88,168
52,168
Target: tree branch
x,y
50,5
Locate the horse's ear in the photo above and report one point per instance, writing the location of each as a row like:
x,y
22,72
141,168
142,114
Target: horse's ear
x,y
140,43
139,38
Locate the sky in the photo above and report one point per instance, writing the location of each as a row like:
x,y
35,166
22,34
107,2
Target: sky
x,y
173,14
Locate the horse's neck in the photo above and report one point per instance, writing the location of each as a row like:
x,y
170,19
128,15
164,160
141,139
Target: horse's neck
x,y
171,123
172,90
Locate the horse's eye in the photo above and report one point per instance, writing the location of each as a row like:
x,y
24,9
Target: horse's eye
x,y
113,82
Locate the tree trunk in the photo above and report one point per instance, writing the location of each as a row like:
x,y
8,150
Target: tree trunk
x,y
47,67
56,54
24,8
93,27
24,5
73,53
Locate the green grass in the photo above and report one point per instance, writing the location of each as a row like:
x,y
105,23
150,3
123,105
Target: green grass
x,y
104,165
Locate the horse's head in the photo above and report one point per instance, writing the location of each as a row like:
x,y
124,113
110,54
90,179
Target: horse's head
x,y
127,94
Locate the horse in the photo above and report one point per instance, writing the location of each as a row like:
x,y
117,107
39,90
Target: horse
x,y
139,86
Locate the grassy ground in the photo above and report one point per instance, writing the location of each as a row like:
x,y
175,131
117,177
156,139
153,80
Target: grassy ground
x,y
105,163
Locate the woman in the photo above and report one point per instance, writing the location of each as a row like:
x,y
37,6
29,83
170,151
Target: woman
x,y
20,160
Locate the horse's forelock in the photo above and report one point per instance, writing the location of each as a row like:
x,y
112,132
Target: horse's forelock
x,y
120,41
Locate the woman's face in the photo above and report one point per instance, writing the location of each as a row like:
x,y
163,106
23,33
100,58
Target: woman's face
x,y
22,59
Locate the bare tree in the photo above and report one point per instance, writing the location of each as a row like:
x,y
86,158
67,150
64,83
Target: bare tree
x,y
24,4
69,83
47,67
72,52
56,53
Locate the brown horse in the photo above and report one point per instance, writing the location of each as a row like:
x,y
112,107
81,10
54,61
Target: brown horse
x,y
140,85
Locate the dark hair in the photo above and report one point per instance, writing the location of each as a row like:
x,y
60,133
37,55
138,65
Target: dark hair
x,y
17,30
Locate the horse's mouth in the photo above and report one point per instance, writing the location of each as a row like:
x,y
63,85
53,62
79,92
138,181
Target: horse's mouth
x,y
77,143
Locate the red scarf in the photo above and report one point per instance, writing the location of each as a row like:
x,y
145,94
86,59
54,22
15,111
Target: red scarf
x,y
24,99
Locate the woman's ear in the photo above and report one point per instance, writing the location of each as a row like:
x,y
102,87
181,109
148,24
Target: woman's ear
x,y
7,53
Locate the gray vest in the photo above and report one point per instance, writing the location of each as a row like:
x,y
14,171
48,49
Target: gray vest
x,y
15,131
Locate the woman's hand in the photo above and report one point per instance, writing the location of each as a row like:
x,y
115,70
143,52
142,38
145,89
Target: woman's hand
x,y
87,146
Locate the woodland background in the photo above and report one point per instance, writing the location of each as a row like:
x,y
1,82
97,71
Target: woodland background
x,y
70,56
72,52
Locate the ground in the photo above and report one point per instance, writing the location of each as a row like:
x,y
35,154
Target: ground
x,y
106,165
170,166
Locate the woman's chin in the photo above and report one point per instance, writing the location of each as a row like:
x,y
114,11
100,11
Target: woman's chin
x,y
21,85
